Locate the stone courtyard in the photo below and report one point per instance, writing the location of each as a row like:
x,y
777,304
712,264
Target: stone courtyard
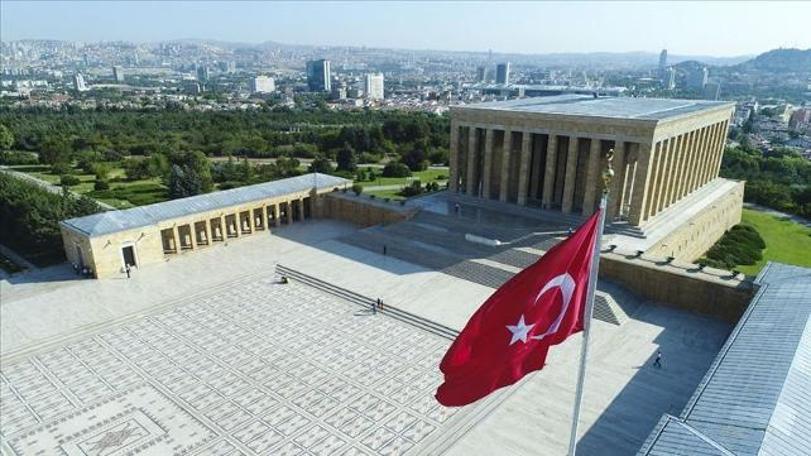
x,y
208,355
257,368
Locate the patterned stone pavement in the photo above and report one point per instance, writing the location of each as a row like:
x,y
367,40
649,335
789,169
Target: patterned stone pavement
x,y
256,368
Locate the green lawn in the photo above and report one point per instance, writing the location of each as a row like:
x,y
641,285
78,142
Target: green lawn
x,y
786,241
122,194
393,194
429,175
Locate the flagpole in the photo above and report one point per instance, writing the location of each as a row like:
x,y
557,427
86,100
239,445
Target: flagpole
x,y
608,173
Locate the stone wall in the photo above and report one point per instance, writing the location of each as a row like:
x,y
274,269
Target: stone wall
x,y
711,292
360,210
696,235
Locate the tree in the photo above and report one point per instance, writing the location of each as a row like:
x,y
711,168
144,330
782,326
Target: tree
x,y
415,158
190,174
321,164
346,158
396,169
55,151
6,138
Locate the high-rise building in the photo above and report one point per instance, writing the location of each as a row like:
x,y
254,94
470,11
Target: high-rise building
x,y
481,74
503,73
697,78
669,78
374,86
232,67
663,59
78,82
263,84
319,76
202,73
118,74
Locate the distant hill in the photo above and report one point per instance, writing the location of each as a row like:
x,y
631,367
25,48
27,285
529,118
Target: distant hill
x,y
790,60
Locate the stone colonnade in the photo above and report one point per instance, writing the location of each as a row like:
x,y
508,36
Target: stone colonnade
x,y
563,171
239,221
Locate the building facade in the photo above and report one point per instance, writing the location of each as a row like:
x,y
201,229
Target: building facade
x,y
319,76
374,86
106,242
263,84
548,152
503,73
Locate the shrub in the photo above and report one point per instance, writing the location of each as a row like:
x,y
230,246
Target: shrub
x,y
412,190
17,158
358,189
101,184
60,168
741,245
68,180
396,169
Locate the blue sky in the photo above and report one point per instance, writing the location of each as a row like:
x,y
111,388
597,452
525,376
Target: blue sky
x,y
721,29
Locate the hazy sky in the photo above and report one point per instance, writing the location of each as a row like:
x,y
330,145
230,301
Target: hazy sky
x,y
721,29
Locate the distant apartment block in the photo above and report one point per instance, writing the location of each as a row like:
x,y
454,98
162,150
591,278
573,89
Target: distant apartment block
x,y
118,74
503,73
319,76
78,83
374,86
263,84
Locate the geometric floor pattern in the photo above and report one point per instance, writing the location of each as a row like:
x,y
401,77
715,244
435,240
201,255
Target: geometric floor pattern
x,y
255,369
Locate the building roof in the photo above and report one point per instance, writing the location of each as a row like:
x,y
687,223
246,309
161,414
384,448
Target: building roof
x,y
114,221
605,107
756,397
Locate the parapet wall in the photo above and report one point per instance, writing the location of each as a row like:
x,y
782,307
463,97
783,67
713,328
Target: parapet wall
x,y
695,236
360,210
711,292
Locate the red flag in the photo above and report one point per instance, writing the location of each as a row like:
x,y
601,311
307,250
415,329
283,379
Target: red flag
x,y
510,335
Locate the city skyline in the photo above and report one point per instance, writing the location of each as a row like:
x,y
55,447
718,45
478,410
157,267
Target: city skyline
x,y
445,26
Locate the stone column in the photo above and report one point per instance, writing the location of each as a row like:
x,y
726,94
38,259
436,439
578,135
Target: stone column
x,y
238,224
251,221
724,132
701,161
523,173
592,177
207,225
689,152
223,228
265,223
549,172
615,195
571,174
504,187
275,209
717,152
472,181
642,178
178,242
667,161
290,212
535,182
487,172
656,178
673,175
301,209
192,240
453,159
679,170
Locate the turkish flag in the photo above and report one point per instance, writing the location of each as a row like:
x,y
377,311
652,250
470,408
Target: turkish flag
x,y
510,335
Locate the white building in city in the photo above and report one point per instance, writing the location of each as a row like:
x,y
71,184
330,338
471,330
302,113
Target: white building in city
x,y
78,82
374,86
263,84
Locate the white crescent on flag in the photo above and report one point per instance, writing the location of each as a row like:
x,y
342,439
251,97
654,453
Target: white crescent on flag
x,y
567,285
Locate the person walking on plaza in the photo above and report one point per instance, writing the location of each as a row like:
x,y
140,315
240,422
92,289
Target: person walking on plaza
x,y
127,269
657,363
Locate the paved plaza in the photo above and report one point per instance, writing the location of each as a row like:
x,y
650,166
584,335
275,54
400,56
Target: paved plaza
x,y
207,355
255,368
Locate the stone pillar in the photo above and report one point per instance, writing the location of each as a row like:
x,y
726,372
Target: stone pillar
x,y
535,181
592,177
472,181
223,228
178,242
275,209
237,223
523,173
571,174
301,209
663,179
673,174
642,178
207,225
716,152
724,132
192,243
656,178
679,169
689,152
251,221
453,159
504,188
265,217
487,172
701,161
289,212
615,195
549,172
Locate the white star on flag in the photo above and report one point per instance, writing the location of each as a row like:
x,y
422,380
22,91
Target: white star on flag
x,y
519,331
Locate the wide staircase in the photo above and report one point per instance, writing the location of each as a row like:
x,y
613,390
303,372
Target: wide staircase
x,y
442,243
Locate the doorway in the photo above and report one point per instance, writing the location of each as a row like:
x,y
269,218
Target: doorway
x,y
128,253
